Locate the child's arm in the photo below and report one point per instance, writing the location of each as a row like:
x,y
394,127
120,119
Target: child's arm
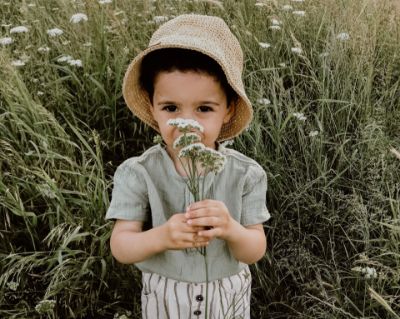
x,y
247,244
129,244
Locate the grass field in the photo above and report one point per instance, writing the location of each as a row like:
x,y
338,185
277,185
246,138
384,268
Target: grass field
x,y
324,80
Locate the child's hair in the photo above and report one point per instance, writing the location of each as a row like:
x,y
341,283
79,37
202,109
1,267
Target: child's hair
x,y
177,59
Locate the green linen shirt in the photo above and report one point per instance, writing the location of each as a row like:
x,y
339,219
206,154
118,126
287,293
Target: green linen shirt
x,y
148,188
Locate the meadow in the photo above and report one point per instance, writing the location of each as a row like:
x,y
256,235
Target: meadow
x,y
324,80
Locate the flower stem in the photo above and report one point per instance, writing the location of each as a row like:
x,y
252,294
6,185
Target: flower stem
x,y
206,264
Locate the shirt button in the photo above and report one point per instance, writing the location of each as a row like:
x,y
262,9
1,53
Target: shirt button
x,y
199,298
197,313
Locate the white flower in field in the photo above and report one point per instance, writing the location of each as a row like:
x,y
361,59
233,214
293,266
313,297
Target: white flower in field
x,y
260,4
264,45
275,27
185,125
66,42
18,63
287,7
227,143
64,58
6,41
297,50
45,306
283,65
105,1
368,272
78,17
40,93
19,29
264,101
275,22
186,139
299,13
55,32
300,116
313,133
343,36
43,49
12,285
160,19
77,63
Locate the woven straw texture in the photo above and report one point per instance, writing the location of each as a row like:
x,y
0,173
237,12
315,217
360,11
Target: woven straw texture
x,y
208,35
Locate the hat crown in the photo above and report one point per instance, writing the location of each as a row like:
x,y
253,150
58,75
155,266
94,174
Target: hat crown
x,y
201,31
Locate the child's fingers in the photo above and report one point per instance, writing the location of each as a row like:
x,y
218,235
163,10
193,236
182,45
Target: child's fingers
x,y
210,233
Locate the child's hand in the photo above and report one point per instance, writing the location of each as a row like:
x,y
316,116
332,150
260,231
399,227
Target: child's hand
x,y
213,215
180,235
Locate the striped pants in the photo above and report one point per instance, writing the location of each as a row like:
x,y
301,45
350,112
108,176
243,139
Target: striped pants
x,y
163,297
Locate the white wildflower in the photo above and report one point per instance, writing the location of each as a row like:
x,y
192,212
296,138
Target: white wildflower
x,y
264,101
185,125
19,29
287,7
343,36
299,13
283,65
45,306
64,58
368,272
18,63
55,32
77,63
12,285
274,27
264,45
212,160
227,143
105,1
275,22
297,50
299,116
66,42
313,133
78,17
6,41
43,49
40,93
192,150
186,139
46,191
160,19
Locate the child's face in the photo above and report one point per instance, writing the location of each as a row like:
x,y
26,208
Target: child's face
x,y
189,95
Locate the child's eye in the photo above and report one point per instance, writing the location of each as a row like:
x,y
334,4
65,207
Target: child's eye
x,y
205,108
170,108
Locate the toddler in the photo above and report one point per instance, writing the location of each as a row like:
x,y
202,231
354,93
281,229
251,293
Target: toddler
x,y
192,69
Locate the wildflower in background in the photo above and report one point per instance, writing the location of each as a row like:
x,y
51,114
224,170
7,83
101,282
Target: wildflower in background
x,y
19,29
287,7
17,63
264,101
275,27
300,116
157,139
64,58
12,285
264,45
275,22
160,19
77,63
343,36
40,93
78,17
6,41
368,272
45,306
46,191
283,65
66,42
43,49
55,32
299,13
227,143
105,1
313,133
297,50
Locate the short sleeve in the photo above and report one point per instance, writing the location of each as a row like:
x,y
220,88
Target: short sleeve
x,y
129,200
254,208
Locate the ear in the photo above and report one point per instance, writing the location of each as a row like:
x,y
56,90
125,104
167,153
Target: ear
x,y
230,113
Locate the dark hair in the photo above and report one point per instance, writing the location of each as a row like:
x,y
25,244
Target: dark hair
x,y
177,59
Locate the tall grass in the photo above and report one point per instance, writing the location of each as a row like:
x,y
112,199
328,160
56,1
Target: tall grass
x,y
334,239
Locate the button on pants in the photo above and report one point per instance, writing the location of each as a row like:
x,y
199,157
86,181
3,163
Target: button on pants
x,y
163,297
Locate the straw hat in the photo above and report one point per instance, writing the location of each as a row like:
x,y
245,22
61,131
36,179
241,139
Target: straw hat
x,y
208,35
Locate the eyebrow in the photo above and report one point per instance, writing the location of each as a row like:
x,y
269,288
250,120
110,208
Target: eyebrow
x,y
202,102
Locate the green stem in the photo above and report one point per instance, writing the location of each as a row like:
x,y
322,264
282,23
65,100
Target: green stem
x,y
206,264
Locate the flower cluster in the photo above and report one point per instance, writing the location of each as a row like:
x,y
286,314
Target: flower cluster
x,y
45,306
185,125
186,139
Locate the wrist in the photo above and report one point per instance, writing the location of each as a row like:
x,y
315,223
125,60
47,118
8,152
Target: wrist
x,y
161,235
233,228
